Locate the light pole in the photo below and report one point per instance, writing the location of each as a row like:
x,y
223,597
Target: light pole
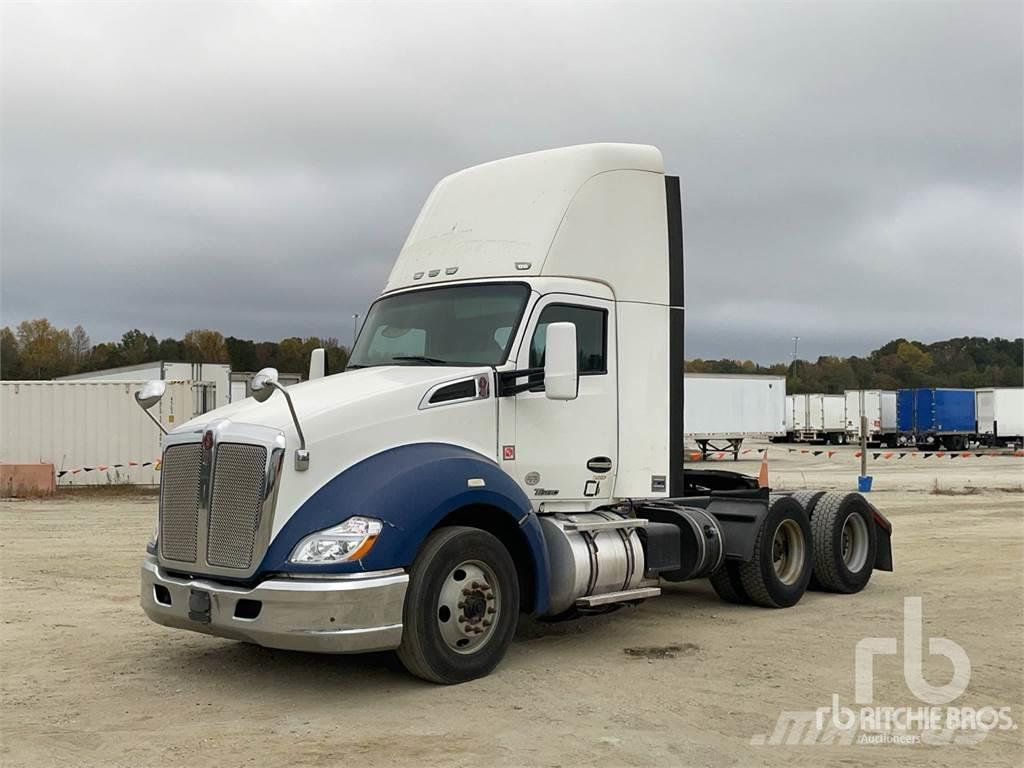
x,y
796,343
355,325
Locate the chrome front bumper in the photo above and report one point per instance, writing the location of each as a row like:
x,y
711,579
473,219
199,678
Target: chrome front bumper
x,y
349,614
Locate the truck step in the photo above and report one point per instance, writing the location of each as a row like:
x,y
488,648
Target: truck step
x,y
605,525
623,596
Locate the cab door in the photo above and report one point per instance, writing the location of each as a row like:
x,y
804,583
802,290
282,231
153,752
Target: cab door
x,y
567,450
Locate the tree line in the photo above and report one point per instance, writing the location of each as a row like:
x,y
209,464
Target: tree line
x,y
36,349
968,361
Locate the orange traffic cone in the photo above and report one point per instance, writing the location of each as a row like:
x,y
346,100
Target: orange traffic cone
x,y
762,476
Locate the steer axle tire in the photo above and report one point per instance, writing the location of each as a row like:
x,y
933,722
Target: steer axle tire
x,y
778,574
845,540
461,607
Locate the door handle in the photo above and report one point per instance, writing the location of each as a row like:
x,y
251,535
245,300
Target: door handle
x,y
600,464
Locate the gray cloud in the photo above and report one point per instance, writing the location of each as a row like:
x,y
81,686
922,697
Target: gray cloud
x,y
851,173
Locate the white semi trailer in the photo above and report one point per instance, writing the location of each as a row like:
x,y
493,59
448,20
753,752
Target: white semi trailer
x,y
880,409
720,410
817,418
508,437
1000,414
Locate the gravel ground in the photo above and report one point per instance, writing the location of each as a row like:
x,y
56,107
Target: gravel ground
x,y
683,680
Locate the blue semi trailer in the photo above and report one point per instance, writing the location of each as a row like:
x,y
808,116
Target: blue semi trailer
x,y
932,417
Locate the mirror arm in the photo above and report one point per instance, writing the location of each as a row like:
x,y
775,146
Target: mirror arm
x,y
507,381
155,420
301,454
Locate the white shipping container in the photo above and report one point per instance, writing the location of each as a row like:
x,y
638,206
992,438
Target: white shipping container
x,y
1000,411
880,407
79,424
217,374
733,406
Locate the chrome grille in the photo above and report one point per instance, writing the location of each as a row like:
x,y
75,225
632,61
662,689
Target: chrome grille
x,y
236,504
179,502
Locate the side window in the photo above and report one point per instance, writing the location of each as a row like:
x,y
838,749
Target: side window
x,y
591,336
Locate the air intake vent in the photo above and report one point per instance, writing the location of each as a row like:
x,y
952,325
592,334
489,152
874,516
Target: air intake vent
x,y
460,390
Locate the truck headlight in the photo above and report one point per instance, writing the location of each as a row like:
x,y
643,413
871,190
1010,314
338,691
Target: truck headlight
x,y
350,540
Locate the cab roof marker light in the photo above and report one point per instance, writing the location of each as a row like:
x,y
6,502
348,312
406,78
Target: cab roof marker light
x,y
475,482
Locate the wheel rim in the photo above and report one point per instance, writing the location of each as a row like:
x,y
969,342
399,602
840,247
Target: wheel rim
x,y
468,607
788,552
854,542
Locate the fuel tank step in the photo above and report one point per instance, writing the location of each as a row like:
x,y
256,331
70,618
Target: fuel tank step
x,y
622,596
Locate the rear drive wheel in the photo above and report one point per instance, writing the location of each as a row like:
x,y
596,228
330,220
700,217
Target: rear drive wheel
x,y
461,607
727,583
844,538
777,575
809,501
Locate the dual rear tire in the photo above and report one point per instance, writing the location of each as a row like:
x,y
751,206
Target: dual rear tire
x,y
814,540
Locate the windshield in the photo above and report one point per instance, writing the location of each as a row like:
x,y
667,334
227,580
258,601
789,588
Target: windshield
x,y
458,325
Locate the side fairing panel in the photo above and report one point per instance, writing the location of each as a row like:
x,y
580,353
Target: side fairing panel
x,y
644,417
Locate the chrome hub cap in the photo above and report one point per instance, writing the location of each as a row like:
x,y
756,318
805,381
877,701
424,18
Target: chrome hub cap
x,y
468,606
788,552
855,542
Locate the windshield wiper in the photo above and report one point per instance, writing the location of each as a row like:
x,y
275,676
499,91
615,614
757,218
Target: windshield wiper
x,y
421,359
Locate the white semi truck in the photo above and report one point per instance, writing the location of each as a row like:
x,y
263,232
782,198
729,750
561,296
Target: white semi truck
x,y
507,439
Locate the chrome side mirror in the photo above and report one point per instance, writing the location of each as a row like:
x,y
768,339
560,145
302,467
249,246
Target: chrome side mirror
x,y
149,396
561,366
263,385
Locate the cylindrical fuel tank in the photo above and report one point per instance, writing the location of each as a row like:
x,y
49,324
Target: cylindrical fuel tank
x,y
590,562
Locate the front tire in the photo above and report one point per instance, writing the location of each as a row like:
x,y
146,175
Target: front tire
x,y
461,607
778,574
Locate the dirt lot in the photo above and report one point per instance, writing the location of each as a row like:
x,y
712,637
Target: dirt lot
x,y
682,680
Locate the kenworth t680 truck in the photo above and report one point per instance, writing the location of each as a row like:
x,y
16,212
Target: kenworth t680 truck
x,y
507,439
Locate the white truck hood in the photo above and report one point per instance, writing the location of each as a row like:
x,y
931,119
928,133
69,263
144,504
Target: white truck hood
x,y
351,416
313,399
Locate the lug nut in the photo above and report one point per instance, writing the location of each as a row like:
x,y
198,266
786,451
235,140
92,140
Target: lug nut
x,y
487,622
491,609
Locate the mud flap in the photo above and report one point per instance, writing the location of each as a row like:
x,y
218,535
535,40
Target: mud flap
x,y
883,537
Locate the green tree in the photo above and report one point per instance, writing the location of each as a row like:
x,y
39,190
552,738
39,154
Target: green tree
x,y
205,346
10,357
45,351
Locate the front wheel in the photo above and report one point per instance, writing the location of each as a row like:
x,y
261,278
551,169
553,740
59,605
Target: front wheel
x,y
461,607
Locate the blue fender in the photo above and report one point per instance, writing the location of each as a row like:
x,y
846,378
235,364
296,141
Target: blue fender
x,y
411,489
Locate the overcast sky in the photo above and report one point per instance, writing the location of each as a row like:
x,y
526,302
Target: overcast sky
x,y
851,173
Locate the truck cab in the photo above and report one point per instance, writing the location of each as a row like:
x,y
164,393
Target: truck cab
x,y
507,438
